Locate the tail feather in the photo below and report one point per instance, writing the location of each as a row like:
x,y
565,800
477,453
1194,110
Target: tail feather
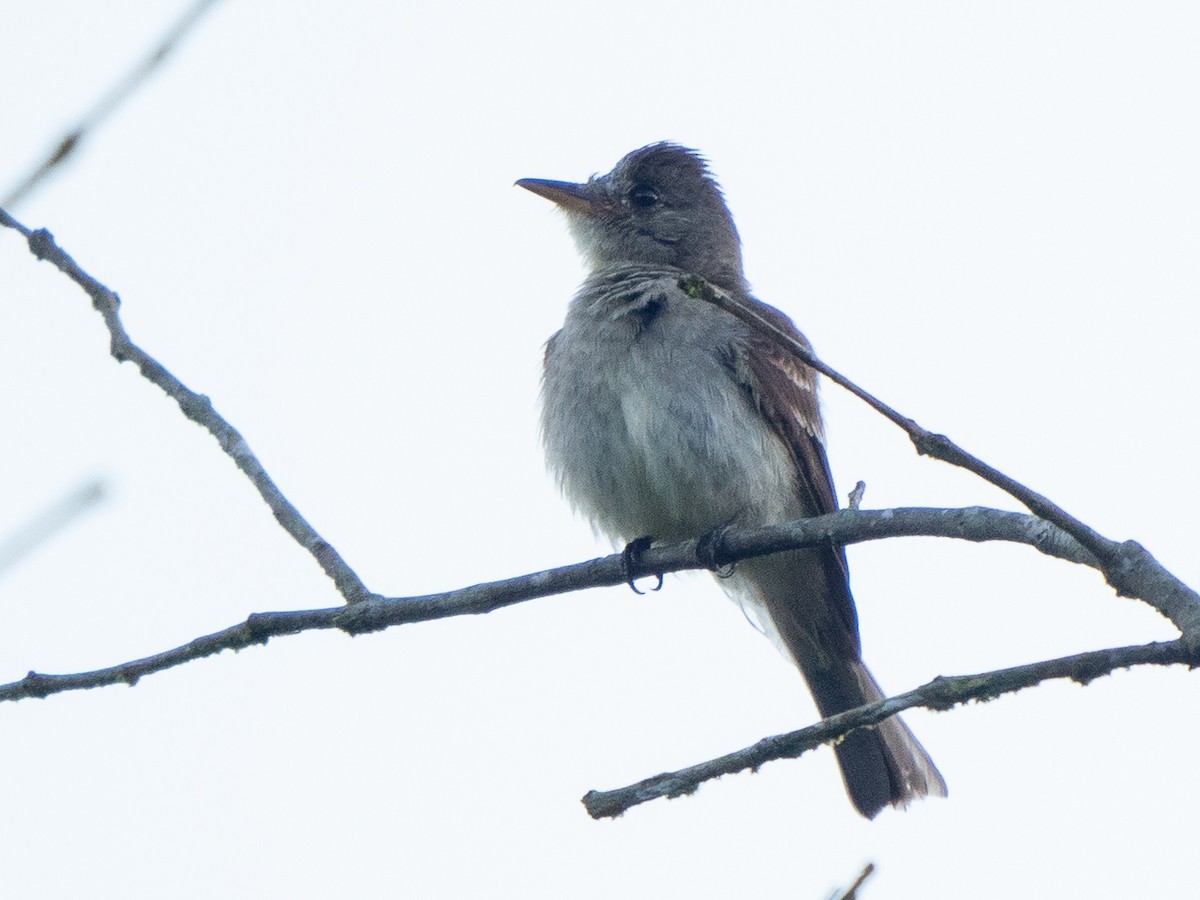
x,y
803,602
881,766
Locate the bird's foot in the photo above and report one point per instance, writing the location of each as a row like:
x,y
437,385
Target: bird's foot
x,y
630,560
710,552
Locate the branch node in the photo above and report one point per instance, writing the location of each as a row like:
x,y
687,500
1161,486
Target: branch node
x,y
927,443
37,686
258,630
943,693
196,406
42,244
361,616
1126,558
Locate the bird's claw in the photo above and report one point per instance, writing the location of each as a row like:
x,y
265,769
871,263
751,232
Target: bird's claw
x,y
630,558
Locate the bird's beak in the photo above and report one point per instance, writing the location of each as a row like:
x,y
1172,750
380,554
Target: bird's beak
x,y
567,194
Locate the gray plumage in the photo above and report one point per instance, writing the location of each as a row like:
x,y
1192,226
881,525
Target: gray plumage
x,y
664,416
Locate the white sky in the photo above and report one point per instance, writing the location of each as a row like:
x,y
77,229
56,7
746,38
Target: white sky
x,y
986,213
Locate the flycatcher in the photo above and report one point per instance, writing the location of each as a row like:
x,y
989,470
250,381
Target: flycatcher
x,y
666,417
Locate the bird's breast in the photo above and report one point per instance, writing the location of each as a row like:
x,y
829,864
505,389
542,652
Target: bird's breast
x,y
646,429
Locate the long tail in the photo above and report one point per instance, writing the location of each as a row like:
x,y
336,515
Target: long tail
x,y
803,601
881,766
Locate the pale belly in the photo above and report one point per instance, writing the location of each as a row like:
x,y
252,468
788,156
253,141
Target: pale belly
x,y
672,454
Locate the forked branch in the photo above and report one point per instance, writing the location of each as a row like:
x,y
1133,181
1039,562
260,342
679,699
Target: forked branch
x,y
1126,565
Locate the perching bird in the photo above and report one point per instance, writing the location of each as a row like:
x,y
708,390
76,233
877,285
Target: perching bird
x,y
664,416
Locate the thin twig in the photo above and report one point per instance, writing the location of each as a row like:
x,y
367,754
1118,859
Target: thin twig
x,y
198,408
927,443
851,893
1127,565
856,495
940,694
109,103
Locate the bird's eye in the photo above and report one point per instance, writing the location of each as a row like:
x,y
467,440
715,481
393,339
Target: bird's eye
x,y
643,197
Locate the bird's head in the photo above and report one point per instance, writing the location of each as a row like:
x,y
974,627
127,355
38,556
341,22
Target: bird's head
x,y
660,205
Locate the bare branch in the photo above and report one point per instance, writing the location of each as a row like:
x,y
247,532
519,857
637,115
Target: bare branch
x,y
377,613
196,407
108,104
1127,565
939,694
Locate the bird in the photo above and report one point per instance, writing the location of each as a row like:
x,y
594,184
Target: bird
x,y
666,418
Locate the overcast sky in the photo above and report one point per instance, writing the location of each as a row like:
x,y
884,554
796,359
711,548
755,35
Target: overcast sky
x,y
987,214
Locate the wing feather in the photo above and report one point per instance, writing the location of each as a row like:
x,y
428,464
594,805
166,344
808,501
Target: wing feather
x,y
785,391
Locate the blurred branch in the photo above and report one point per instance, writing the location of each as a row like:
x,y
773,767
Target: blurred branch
x,y
851,893
944,692
109,103
1127,566
48,522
